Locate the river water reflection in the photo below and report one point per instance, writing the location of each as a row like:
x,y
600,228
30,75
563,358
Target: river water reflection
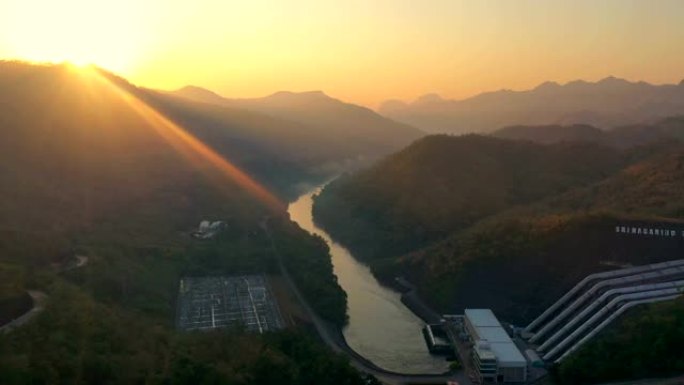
x,y
380,327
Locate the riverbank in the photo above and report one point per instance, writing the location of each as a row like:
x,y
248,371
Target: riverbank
x,y
334,338
381,328
409,294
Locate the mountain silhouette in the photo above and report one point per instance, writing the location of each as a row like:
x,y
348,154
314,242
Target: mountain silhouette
x,y
607,103
59,112
199,94
368,132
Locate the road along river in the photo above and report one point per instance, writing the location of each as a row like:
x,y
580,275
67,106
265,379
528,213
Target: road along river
x,y
380,328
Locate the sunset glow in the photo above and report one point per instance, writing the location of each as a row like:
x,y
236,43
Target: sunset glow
x,y
108,34
193,149
360,51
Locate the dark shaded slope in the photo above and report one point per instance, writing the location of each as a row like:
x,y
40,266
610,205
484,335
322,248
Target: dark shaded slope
x,y
441,184
667,130
518,262
281,153
551,134
83,171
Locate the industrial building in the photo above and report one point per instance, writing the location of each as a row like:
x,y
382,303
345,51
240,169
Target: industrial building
x,y
495,356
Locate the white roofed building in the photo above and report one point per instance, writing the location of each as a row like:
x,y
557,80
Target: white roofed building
x,y
495,355
208,229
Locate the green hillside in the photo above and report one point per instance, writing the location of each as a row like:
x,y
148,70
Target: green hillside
x,y
84,171
523,251
357,129
441,184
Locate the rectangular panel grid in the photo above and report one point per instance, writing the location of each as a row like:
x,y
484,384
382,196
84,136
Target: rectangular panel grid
x,y
215,302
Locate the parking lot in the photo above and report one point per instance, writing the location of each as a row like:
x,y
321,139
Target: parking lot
x,y
216,302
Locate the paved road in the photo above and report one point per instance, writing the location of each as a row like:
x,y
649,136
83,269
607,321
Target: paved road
x,y
39,299
76,263
332,337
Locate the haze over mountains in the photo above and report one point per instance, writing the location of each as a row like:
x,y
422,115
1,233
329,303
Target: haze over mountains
x,y
66,125
90,166
358,128
283,149
91,163
605,104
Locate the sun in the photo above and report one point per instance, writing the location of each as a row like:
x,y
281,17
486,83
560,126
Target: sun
x,y
110,34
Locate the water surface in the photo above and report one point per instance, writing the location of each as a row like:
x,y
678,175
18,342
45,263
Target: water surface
x,y
380,327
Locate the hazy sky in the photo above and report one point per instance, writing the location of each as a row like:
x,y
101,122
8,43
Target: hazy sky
x,y
362,51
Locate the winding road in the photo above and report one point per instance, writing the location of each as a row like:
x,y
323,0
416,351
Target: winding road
x,y
40,298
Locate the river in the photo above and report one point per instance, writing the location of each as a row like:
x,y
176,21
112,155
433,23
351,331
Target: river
x,y
380,328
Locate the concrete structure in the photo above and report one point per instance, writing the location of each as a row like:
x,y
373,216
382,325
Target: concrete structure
x,y
534,358
495,355
437,340
605,299
591,280
599,299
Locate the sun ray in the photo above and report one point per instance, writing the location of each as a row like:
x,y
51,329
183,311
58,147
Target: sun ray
x,y
190,146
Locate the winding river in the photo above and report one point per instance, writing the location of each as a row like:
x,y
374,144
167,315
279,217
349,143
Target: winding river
x,y
380,328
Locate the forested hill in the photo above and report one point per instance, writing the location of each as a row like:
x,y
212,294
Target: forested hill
x,y
441,184
475,222
93,166
666,130
453,213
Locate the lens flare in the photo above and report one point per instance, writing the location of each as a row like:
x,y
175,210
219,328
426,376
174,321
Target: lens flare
x,y
190,146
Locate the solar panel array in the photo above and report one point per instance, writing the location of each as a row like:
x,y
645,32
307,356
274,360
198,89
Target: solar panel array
x,y
206,303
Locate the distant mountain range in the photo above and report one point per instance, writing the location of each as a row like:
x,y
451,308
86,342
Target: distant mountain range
x,y
607,103
359,129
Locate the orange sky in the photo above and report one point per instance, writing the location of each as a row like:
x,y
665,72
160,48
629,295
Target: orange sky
x,y
358,50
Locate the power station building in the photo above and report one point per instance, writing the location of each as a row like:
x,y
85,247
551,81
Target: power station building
x,y
494,354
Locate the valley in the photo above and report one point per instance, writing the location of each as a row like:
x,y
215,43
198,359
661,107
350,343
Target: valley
x,y
477,243
337,244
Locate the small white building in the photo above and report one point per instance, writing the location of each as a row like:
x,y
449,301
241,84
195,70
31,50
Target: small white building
x,y
495,355
208,229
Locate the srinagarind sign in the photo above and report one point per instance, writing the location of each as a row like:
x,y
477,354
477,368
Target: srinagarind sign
x,y
661,232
